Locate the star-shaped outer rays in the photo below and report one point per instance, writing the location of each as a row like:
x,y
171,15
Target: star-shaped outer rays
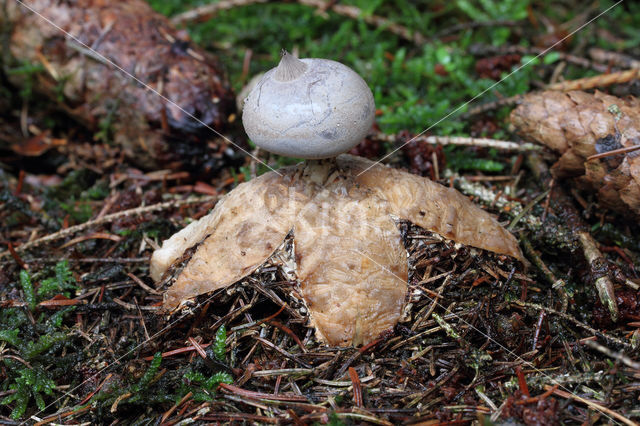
x,y
350,261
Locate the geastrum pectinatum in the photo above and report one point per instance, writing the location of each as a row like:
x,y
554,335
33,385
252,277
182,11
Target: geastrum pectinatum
x,y
351,264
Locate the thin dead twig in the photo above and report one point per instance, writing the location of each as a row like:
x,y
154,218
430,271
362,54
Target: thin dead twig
x,y
592,404
556,283
592,254
476,24
612,354
466,141
490,106
573,320
282,351
357,387
206,12
483,50
614,58
613,152
602,80
603,283
107,219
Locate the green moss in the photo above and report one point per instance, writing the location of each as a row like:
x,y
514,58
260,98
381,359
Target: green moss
x,y
149,374
62,283
219,346
27,288
32,349
28,72
35,344
74,195
202,387
29,383
10,336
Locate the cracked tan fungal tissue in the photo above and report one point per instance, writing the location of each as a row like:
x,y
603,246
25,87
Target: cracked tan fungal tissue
x,y
350,260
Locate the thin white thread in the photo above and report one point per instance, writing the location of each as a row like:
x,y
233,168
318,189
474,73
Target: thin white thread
x,y
117,360
145,85
336,219
544,52
509,351
377,162
329,218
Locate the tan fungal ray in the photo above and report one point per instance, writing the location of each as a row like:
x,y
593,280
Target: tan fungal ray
x,y
351,264
243,230
434,207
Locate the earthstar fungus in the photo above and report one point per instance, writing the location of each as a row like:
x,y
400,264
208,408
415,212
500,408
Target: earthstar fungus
x,y
351,264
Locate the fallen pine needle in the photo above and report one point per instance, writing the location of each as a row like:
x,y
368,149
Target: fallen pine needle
x,y
94,236
259,395
177,351
175,407
107,219
591,404
357,387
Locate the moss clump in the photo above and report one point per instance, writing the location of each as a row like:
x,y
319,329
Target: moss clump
x,y
62,283
34,346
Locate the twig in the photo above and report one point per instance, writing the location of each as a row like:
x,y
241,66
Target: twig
x,y
90,395
171,410
592,404
177,351
282,351
490,198
484,50
522,382
580,229
475,24
556,283
107,219
490,106
377,21
357,387
92,236
90,260
466,141
283,372
603,283
355,356
526,208
615,58
602,80
573,320
133,307
114,406
615,355
205,12
533,399
536,335
142,284
613,152
198,348
259,395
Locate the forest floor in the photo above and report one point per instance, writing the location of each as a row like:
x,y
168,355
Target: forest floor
x,y
482,338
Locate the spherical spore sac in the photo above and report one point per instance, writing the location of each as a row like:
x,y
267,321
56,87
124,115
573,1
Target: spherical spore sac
x,y
309,108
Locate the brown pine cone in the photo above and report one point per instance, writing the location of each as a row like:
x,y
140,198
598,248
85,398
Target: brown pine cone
x,y
578,125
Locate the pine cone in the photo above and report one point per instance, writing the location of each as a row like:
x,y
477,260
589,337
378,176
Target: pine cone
x,y
578,125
